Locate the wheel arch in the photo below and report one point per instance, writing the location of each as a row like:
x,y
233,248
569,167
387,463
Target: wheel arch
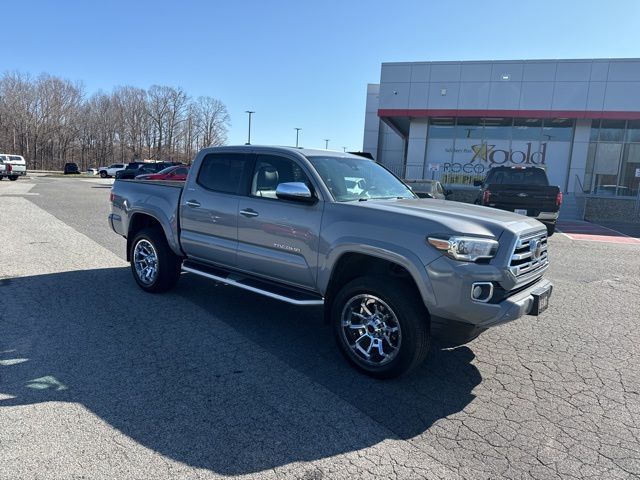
x,y
141,220
351,264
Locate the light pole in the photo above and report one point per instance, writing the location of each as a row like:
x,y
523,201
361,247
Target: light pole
x,y
326,143
344,149
297,134
250,112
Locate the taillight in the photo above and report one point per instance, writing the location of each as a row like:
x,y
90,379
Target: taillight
x,y
111,197
559,199
486,197
9,167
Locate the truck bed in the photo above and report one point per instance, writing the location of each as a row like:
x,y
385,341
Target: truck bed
x,y
158,198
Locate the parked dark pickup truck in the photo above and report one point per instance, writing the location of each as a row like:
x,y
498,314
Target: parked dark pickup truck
x,y
314,227
523,190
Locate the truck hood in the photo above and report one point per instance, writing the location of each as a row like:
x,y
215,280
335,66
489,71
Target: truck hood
x,y
457,217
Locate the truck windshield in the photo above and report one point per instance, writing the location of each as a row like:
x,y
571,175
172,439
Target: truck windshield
x,y
356,178
528,176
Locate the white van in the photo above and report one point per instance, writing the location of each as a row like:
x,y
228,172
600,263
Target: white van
x,y
12,166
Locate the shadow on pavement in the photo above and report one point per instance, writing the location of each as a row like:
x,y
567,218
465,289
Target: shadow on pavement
x,y
225,386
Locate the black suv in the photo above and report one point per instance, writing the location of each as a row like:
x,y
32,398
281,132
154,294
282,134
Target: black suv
x,y
141,168
71,169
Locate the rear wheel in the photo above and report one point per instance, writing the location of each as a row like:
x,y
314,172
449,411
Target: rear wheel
x,y
103,174
154,265
13,178
382,327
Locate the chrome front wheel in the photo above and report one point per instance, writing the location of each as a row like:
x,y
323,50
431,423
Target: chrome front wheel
x,y
145,260
371,330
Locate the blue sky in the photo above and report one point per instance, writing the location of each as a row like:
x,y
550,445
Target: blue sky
x,y
297,64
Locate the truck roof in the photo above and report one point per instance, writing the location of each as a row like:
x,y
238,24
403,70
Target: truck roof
x,y
278,148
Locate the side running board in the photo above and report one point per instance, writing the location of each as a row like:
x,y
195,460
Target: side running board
x,y
294,296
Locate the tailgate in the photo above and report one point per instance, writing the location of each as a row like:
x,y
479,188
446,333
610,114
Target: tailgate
x,y
533,198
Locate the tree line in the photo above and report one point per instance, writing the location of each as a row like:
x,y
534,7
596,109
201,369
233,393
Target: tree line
x,y
51,120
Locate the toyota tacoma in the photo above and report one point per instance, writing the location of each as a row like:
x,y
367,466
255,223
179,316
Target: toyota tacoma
x,y
391,270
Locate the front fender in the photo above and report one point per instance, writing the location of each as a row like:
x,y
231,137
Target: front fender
x,y
380,249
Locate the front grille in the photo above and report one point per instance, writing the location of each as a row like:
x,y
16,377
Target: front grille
x,y
529,255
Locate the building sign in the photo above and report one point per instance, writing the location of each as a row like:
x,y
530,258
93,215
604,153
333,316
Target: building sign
x,y
467,159
637,172
482,156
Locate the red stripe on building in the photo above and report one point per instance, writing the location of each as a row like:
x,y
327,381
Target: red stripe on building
x,y
434,112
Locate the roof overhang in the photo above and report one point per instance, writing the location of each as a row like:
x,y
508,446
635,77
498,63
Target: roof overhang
x,y
399,119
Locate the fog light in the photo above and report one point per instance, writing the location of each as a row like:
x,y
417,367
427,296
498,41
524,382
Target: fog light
x,y
481,291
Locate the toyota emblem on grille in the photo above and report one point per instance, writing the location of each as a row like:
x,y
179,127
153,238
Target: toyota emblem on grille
x,y
535,247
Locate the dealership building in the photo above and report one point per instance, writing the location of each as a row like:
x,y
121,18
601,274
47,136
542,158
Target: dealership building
x,y
578,119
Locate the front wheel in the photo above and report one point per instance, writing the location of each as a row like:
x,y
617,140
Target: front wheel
x,y
381,326
13,178
103,174
154,265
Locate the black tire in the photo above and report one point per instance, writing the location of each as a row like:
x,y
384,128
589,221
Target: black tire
x,y
13,178
404,301
167,264
551,228
103,174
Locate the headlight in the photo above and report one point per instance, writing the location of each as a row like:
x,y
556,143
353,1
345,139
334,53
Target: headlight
x,y
467,249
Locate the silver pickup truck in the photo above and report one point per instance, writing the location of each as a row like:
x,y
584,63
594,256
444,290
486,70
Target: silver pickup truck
x,y
390,269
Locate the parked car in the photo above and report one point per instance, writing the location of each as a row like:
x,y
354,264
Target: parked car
x,y
523,190
141,168
428,189
71,169
389,268
176,173
12,166
110,171
130,171
92,171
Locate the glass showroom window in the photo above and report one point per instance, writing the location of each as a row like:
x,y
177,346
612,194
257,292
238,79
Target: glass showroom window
x,y
613,161
527,129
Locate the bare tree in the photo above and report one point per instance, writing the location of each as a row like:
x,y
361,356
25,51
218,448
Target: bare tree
x,y
49,121
214,121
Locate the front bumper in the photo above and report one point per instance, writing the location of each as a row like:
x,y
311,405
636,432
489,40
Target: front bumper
x,y
452,282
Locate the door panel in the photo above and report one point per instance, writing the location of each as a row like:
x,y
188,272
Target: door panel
x,y
278,239
209,209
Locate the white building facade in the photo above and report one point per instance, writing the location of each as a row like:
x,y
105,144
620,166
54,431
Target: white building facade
x,y
579,119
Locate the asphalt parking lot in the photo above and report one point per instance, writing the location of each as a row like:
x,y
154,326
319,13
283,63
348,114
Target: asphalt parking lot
x,y
100,380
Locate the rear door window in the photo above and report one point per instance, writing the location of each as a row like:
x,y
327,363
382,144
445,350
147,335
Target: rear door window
x,y
224,172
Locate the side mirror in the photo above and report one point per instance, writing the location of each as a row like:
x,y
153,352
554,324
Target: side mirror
x,y
296,191
477,183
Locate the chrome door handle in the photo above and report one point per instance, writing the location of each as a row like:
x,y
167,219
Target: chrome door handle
x,y
249,213
193,204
